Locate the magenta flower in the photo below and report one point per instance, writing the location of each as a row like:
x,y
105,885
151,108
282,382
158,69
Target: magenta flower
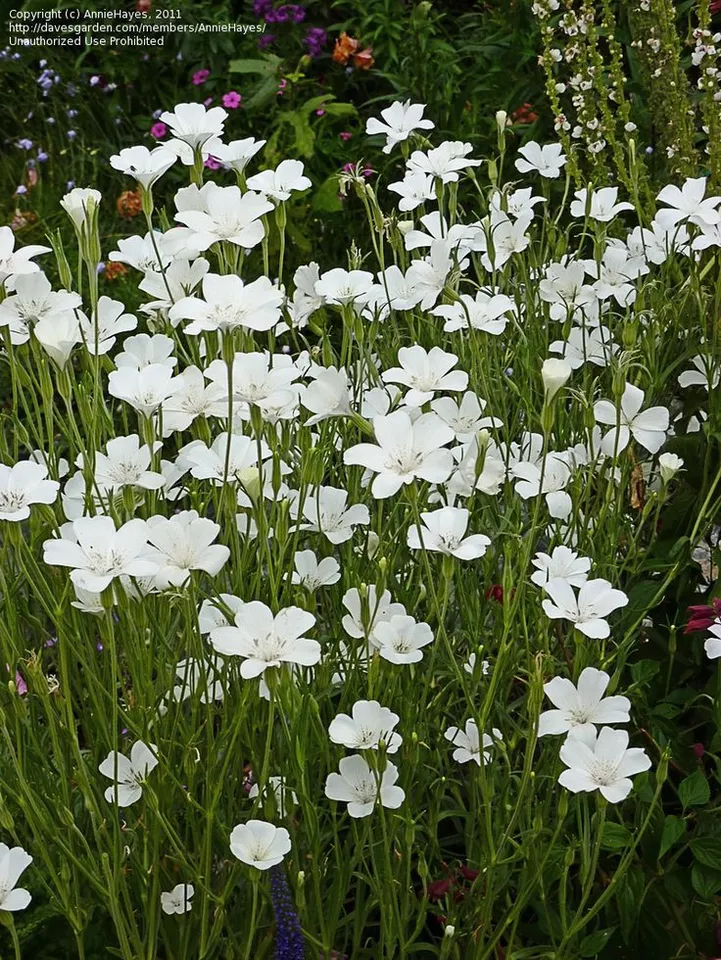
x,y
200,77
22,687
344,135
212,164
207,102
231,100
158,130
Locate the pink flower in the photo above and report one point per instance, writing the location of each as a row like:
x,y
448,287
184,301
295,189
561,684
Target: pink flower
x,y
212,164
158,130
200,77
22,687
207,102
281,87
320,112
231,100
344,135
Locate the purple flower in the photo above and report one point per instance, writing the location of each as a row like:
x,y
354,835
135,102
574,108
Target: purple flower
x,y
70,185
200,76
158,130
21,189
231,100
71,114
261,7
314,41
288,935
42,156
94,80
100,268
22,687
212,164
25,144
71,134
345,135
51,642
156,114
266,40
293,12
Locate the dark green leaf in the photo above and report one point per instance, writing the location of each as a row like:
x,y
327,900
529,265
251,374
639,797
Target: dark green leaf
x,y
694,791
673,829
615,836
707,850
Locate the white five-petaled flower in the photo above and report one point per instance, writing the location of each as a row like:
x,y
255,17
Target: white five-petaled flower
x,y
468,743
193,124
184,542
561,564
310,573
712,645
13,861
444,531
361,787
326,511
259,844
178,899
647,427
425,373
400,639
369,724
23,484
595,601
145,166
98,553
264,640
600,206
688,202
601,762
130,773
229,303
287,177
401,120
546,160
14,262
583,705
406,450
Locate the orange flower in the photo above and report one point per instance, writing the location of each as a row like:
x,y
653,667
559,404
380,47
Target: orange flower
x,y
113,270
344,49
129,203
363,60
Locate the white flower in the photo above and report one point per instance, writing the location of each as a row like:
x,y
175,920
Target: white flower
x,y
340,286
425,373
580,707
23,484
648,427
428,276
126,464
193,124
57,335
143,389
13,861
210,463
688,203
444,162
603,206
145,166
142,350
705,373
361,788
325,510
546,160
184,542
278,789
259,844
237,153
328,395
256,376
312,574
562,564
468,743
229,303
414,189
20,261
486,312
506,238
140,252
401,120
98,553
601,762
400,639
178,899
363,618
211,616
555,374
586,345
100,335
466,419
406,450
444,531
192,398
33,301
287,177
128,774
369,724
669,465
264,640
80,204
226,215
596,600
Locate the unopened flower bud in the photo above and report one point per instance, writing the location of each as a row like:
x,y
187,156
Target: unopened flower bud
x,y
450,931
669,465
555,375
